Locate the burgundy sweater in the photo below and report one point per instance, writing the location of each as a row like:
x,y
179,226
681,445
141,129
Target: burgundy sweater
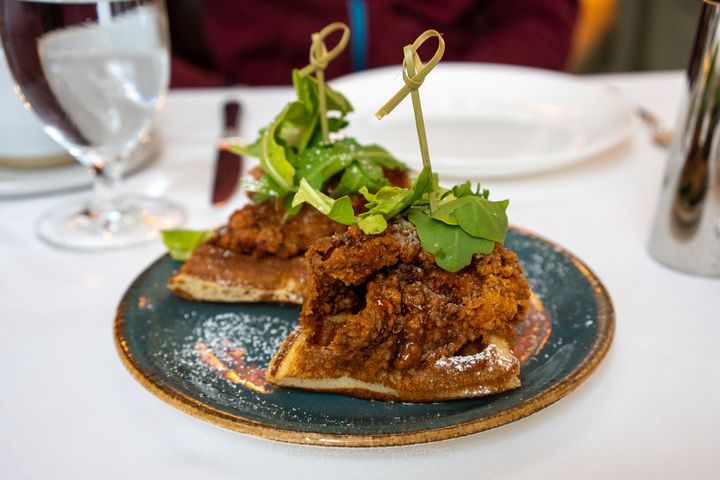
x,y
258,42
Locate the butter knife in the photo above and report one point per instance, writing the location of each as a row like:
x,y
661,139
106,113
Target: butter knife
x,y
228,166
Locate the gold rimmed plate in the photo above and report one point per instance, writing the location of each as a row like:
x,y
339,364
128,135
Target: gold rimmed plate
x,y
208,359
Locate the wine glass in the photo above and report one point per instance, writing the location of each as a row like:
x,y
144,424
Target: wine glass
x,y
95,73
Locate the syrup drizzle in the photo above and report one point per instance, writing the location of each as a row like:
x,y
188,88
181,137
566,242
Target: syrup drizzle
x,y
233,367
532,334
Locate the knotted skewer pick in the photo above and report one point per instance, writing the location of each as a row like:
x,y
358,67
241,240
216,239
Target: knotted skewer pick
x,y
320,57
414,73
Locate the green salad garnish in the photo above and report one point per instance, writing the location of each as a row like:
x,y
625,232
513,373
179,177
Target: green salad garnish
x,y
181,243
296,144
452,224
464,223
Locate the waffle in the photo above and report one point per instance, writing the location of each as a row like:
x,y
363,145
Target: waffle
x,y
217,274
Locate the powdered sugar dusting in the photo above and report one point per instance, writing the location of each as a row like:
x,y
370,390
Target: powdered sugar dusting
x,y
236,347
466,362
205,363
405,234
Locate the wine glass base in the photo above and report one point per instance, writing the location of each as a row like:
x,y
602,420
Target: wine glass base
x,y
135,220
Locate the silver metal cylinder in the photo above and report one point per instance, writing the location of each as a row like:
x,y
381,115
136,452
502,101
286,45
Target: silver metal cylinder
x,y
686,232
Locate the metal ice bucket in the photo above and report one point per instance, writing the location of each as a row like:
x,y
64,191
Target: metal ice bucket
x,y
686,232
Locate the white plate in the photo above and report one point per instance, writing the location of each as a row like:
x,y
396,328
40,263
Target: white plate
x,y
17,182
490,120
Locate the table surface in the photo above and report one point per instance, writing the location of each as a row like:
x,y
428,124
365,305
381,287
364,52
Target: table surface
x,y
70,410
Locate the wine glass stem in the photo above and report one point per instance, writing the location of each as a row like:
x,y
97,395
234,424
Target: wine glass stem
x,y
104,206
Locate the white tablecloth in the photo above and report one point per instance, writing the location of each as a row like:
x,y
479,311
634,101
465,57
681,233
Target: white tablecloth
x,y
68,408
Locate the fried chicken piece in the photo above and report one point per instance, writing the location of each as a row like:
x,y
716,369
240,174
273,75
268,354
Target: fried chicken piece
x,y
259,229
398,308
381,320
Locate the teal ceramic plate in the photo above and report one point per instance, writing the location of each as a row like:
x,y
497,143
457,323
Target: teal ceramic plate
x,y
207,359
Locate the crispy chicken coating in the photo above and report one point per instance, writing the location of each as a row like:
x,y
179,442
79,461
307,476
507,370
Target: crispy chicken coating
x,y
259,229
380,301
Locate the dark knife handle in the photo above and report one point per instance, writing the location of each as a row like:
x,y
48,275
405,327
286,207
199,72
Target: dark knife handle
x,y
228,166
231,119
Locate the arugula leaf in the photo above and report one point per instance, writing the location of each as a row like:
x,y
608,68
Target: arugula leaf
x,y
369,168
385,194
304,89
372,224
424,182
181,243
297,126
318,164
354,178
356,162
307,90
391,201
335,124
462,190
483,218
273,159
475,214
264,189
452,247
340,210
307,194
445,212
335,100
252,150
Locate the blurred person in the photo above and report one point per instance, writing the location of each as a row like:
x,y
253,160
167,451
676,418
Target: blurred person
x,y
252,42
